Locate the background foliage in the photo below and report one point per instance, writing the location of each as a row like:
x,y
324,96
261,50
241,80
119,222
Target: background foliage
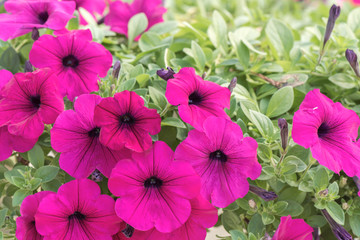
x,y
272,47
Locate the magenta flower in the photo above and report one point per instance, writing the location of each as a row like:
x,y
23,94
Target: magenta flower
x,y
330,131
25,224
29,101
28,14
5,77
223,158
92,6
125,121
121,13
197,99
76,136
203,215
75,59
153,189
77,211
293,229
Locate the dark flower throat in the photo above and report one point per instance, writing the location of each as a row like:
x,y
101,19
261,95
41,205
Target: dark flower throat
x,y
94,132
218,156
43,17
35,101
77,216
323,130
70,61
126,120
195,98
153,182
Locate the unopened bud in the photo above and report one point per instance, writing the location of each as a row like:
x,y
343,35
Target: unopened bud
x,y
333,15
343,182
266,195
252,204
315,233
96,176
128,231
284,132
166,74
345,205
339,232
203,76
116,69
35,34
232,84
352,59
28,67
324,193
112,88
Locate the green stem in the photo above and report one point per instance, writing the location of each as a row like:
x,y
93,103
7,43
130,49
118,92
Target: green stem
x,y
166,109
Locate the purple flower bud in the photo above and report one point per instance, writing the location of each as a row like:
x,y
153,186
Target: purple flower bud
x,y
266,195
232,84
28,67
284,132
128,231
315,234
116,69
333,15
35,34
96,176
339,232
166,74
352,59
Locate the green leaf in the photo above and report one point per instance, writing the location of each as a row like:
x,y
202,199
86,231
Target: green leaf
x,y
353,19
294,209
237,235
164,27
149,41
128,85
46,173
230,220
343,80
279,207
335,212
262,123
354,224
173,122
321,179
267,218
198,55
18,181
19,196
35,183
333,189
136,25
256,225
218,32
264,152
10,60
2,216
280,102
36,156
298,163
280,37
53,185
158,97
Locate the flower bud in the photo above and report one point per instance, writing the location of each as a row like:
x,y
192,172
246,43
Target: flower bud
x,y
35,34
284,132
166,74
252,204
266,195
96,176
232,84
315,233
116,69
28,67
324,193
128,231
352,59
339,232
333,15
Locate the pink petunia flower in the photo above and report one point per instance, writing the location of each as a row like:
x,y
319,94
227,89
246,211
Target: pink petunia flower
x,y
76,136
153,189
197,99
92,6
29,101
293,229
330,131
125,121
75,59
203,215
25,224
77,211
28,14
223,158
5,77
121,13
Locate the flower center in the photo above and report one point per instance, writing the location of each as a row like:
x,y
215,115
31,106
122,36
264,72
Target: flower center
x,y
153,182
43,17
35,101
323,130
77,216
94,132
218,156
70,61
126,119
195,98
